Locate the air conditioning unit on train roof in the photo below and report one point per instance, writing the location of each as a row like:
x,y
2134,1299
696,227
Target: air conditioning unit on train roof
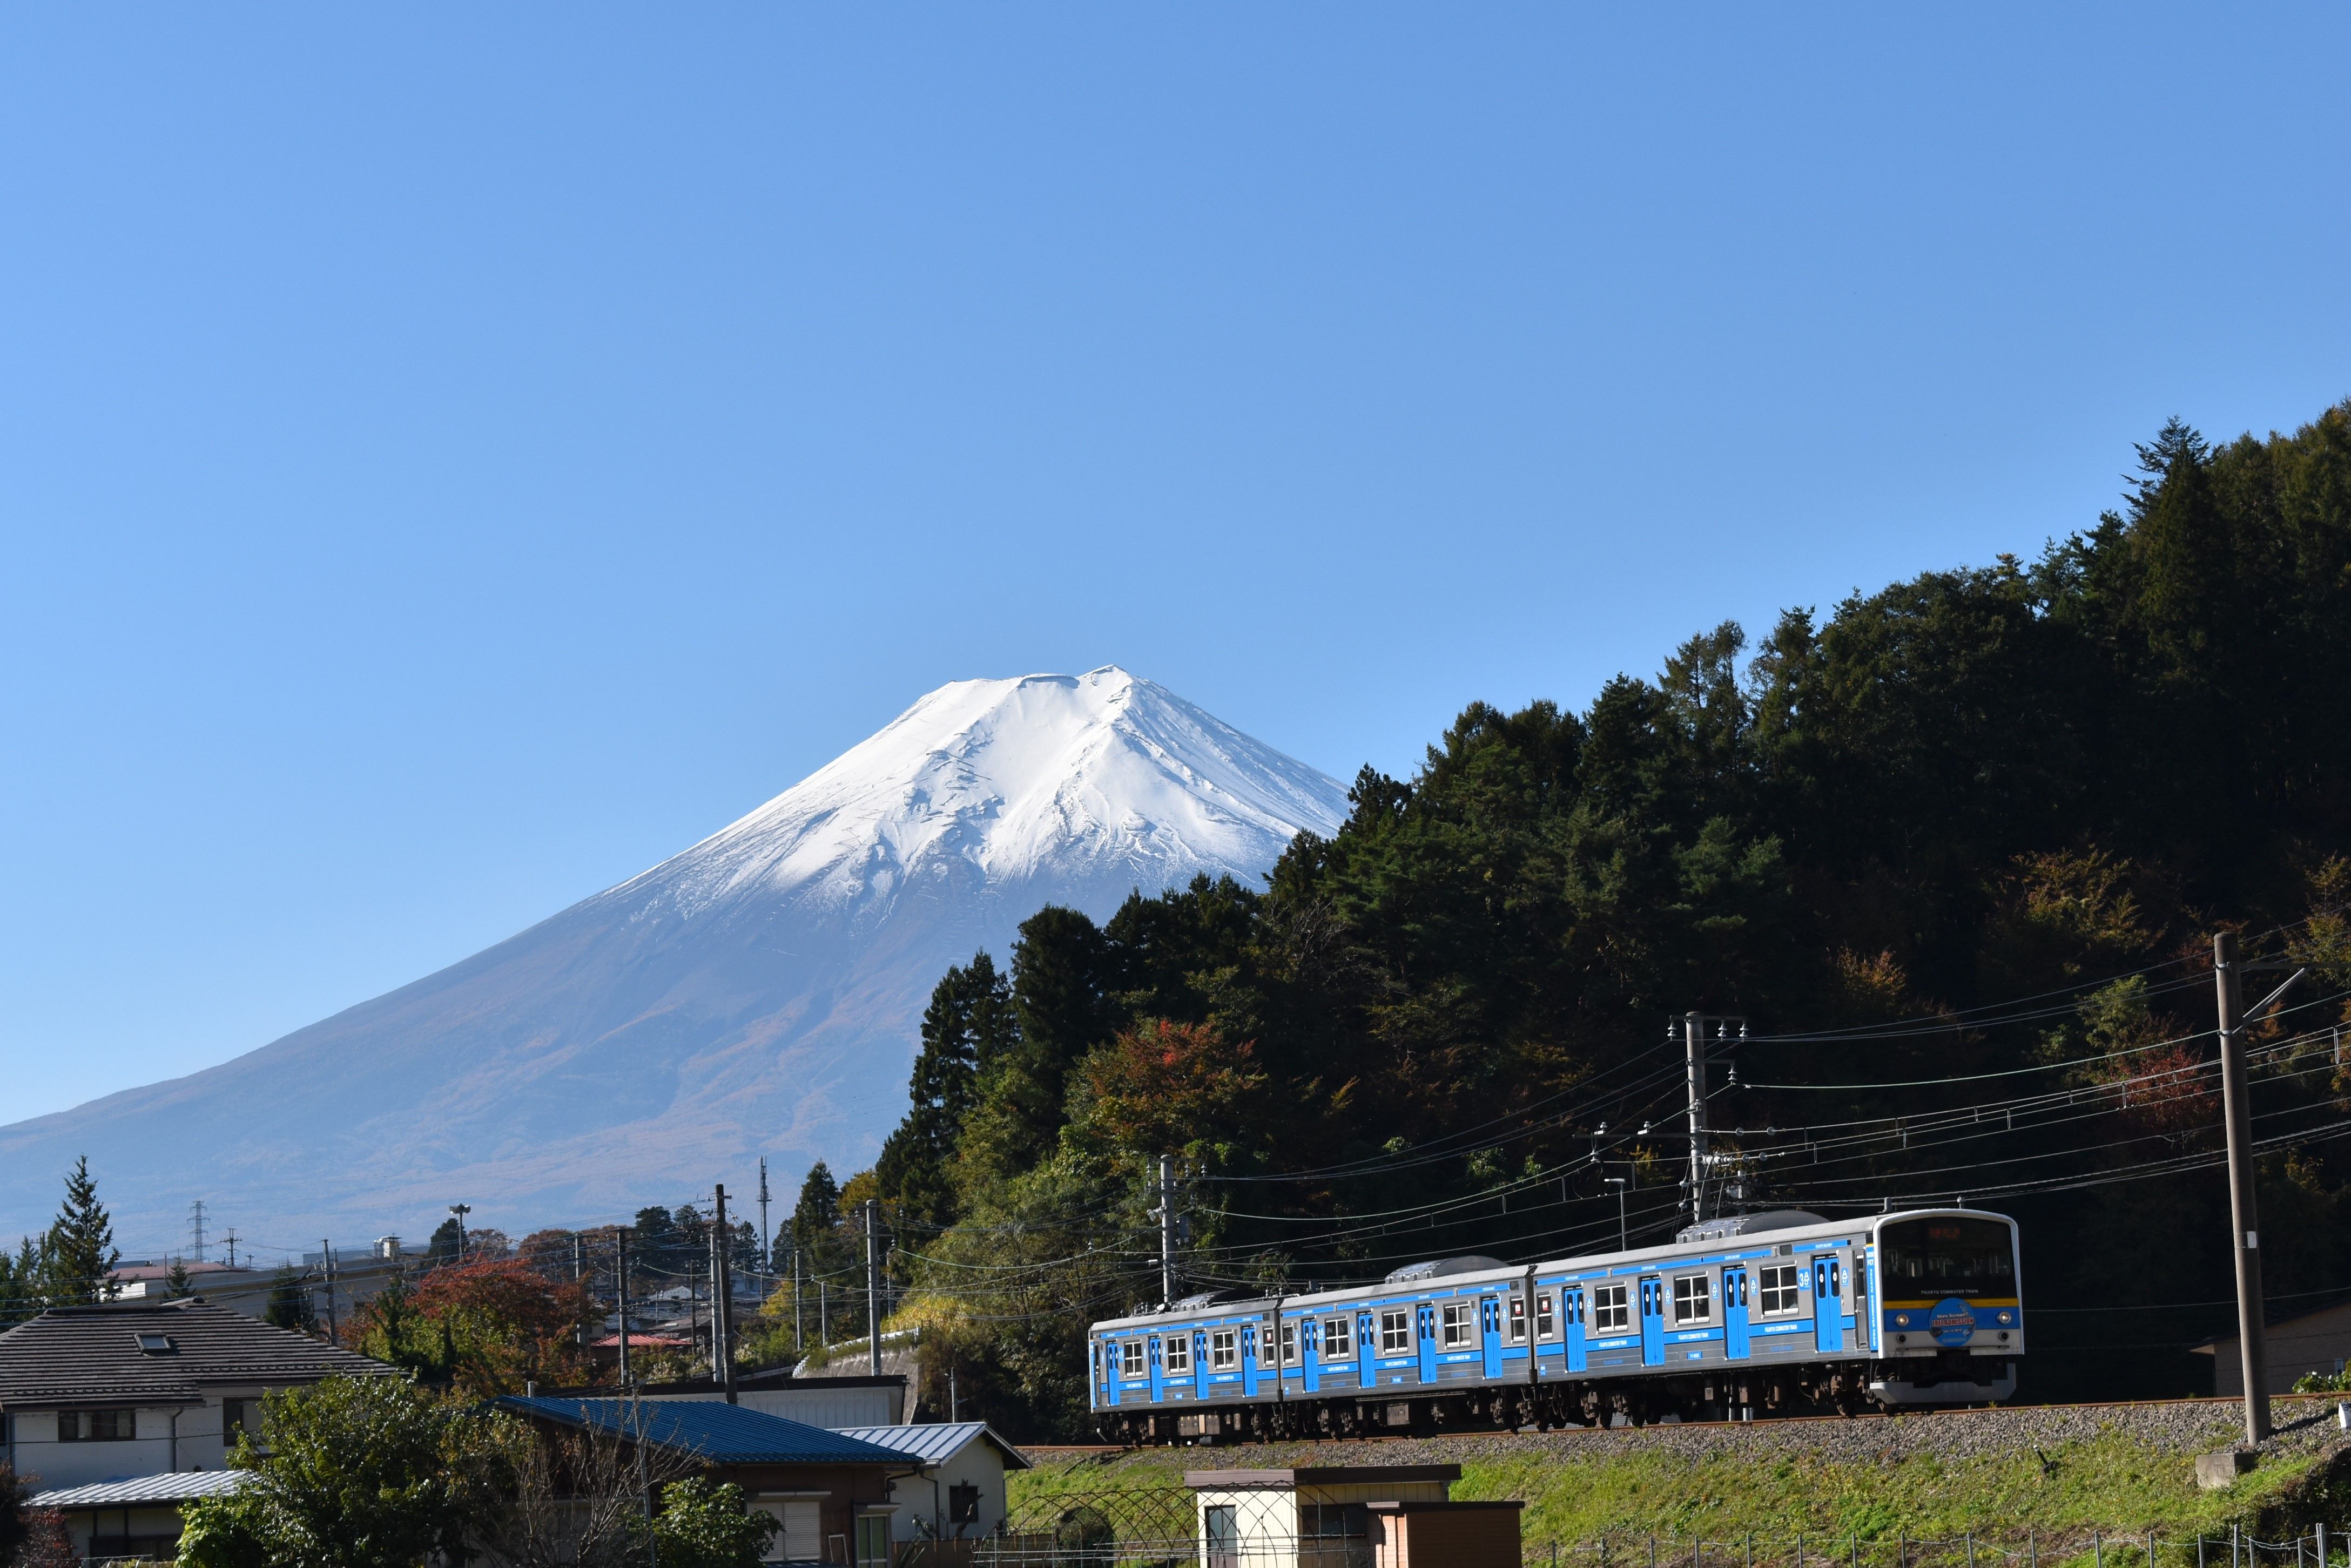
x,y
1443,1268
1748,1224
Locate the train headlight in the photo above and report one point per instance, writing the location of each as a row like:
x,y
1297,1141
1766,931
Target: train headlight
x,y
2006,1317
1902,1320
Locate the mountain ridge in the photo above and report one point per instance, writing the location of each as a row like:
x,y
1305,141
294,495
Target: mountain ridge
x,y
756,993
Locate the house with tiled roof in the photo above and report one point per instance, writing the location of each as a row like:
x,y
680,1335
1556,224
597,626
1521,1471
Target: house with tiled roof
x,y
125,1392
832,1494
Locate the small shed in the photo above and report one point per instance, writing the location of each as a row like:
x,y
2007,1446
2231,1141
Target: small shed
x,y
2316,1341
1331,1517
134,1518
965,1463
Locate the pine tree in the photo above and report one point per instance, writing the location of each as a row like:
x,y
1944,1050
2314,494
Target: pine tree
x,y
289,1305
177,1278
80,1256
815,1217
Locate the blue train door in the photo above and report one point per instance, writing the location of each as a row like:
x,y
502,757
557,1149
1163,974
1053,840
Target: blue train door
x,y
1367,1373
1425,1336
1571,1329
1310,1353
1734,1314
1158,1371
1828,1326
1248,1361
1653,1321
1489,1335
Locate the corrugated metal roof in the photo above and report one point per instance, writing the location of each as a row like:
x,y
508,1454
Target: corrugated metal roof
x,y
936,1442
722,1434
176,1486
84,1355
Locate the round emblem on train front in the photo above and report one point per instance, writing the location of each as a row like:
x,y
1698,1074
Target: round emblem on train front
x,y
1954,1321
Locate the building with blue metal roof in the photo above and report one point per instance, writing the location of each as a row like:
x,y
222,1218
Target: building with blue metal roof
x,y
833,1494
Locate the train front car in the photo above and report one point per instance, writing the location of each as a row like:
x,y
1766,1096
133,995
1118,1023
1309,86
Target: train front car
x,y
1950,1308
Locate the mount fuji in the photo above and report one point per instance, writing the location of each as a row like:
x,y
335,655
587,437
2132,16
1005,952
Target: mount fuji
x,y
757,993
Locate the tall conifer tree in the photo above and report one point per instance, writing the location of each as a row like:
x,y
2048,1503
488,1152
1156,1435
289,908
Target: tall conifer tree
x,y
80,1255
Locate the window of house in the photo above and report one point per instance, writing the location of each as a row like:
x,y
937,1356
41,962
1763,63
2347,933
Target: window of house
x,y
1611,1312
1546,1327
1178,1352
1333,1520
873,1541
1395,1333
963,1503
1693,1298
1460,1325
97,1425
1776,1289
1289,1344
1338,1339
1518,1319
1130,1359
1224,1349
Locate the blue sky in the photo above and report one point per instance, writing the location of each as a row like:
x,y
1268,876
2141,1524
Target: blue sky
x,y
453,457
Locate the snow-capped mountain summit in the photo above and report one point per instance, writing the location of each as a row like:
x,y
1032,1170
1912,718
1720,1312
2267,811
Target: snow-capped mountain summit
x,y
1100,773
758,993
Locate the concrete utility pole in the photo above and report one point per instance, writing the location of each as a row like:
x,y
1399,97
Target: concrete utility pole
x,y
1620,1183
326,1267
873,1286
460,1210
799,1308
1693,1044
1166,1231
721,1303
621,1291
2244,1218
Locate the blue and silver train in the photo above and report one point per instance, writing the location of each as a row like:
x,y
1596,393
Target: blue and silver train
x,y
1770,1313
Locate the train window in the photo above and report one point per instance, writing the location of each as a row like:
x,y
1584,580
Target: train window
x,y
1224,1350
1545,1327
1338,1337
1518,1319
1778,1288
1950,1256
1179,1353
1395,1333
1611,1312
1267,1343
1130,1359
1290,1344
1460,1325
1693,1298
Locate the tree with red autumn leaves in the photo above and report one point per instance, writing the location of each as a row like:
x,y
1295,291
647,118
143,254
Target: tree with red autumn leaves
x,y
484,1328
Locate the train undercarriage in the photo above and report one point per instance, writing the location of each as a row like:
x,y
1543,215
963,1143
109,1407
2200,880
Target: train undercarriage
x,y
1833,1388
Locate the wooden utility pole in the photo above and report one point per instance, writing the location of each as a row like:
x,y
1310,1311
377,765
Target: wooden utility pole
x,y
2244,1216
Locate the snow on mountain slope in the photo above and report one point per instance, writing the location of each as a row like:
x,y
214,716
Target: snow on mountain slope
x,y
757,993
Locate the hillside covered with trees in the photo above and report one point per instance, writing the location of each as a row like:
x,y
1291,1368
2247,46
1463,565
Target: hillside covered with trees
x,y
1982,822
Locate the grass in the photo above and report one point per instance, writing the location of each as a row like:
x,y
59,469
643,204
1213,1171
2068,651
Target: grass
x,y
2111,1482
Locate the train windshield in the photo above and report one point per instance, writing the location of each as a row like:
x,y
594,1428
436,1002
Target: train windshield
x,y
1925,1259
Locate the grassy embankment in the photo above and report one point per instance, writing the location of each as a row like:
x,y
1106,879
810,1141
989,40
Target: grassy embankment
x,y
2057,1475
